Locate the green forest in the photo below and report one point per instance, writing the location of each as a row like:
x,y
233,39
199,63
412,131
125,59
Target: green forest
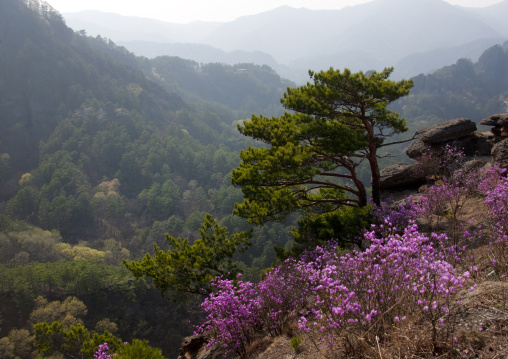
x,y
103,153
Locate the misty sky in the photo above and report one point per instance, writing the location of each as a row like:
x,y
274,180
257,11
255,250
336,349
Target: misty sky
x,y
183,11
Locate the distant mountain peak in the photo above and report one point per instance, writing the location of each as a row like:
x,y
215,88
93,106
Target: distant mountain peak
x,y
372,35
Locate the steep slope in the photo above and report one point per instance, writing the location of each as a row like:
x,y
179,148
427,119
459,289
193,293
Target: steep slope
x,y
47,71
81,114
76,110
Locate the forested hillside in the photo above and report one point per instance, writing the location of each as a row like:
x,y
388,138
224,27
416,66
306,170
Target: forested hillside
x,y
464,89
99,127
103,152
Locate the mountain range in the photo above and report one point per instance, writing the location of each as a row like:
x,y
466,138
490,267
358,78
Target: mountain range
x,y
103,152
415,36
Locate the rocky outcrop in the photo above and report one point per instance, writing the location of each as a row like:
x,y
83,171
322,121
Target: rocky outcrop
x,y
447,131
500,123
195,347
486,141
459,133
416,149
191,346
473,165
499,134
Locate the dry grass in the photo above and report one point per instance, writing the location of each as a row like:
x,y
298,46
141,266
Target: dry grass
x,y
480,330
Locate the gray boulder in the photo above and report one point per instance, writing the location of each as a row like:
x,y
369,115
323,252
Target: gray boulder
x,y
447,130
496,120
471,145
401,175
416,149
500,153
194,347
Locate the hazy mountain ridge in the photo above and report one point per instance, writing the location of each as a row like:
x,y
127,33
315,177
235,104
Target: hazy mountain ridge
x,y
363,37
496,15
114,150
434,60
465,89
131,28
198,52
397,28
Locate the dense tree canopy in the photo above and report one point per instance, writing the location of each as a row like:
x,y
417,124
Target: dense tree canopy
x,y
311,160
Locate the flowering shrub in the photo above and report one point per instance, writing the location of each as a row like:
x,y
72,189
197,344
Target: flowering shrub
x,y
371,291
437,199
233,315
440,162
394,218
238,310
361,292
453,187
282,293
495,188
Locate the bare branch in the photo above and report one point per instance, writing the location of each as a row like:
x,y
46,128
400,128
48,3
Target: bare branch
x,y
397,142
